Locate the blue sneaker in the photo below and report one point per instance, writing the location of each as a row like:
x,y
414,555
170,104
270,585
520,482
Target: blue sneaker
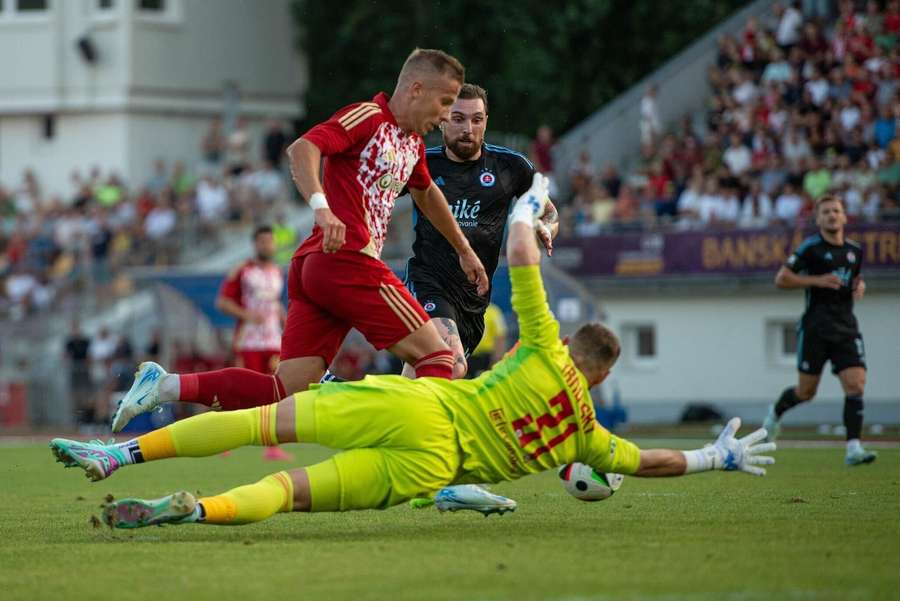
x,y
859,456
176,508
771,424
142,397
98,460
474,498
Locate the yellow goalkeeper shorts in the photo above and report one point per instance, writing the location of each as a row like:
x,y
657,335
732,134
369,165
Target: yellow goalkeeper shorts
x,y
398,441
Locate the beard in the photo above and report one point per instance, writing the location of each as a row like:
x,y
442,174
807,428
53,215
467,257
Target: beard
x,y
464,148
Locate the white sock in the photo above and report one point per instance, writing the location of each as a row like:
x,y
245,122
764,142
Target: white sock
x,y
854,446
170,388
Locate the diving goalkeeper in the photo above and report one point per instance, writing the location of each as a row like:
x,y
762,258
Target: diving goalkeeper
x,y
403,438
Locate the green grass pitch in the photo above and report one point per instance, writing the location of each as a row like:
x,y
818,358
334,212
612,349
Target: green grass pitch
x,y
812,529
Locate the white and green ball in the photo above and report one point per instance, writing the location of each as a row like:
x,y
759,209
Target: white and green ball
x,y
585,484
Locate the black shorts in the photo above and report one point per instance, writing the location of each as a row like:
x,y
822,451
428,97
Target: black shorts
x,y
479,363
437,304
815,346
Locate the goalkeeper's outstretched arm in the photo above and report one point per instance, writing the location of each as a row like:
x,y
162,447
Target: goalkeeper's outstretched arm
x,y
727,453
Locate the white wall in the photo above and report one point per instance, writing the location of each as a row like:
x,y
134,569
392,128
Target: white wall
x,y
46,72
172,138
716,349
82,140
216,41
155,86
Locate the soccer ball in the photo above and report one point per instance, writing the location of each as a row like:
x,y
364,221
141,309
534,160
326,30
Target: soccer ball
x,y
583,483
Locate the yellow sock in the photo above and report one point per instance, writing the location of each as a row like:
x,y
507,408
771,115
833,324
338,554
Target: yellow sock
x,y
157,445
211,433
251,503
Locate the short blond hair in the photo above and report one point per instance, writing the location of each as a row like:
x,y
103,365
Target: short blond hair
x,y
596,345
435,61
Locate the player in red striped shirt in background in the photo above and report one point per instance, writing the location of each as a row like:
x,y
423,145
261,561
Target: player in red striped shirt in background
x,y
252,295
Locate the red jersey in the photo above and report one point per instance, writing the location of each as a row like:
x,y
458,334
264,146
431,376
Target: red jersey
x,y
368,162
256,287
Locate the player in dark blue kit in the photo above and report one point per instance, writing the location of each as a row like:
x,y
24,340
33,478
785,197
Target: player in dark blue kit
x,y
480,181
827,266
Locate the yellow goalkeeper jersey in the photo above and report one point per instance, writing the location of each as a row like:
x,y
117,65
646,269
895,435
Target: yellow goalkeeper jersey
x,y
532,411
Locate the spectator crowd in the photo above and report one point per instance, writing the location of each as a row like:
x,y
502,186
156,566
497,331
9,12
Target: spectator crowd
x,y
52,245
801,103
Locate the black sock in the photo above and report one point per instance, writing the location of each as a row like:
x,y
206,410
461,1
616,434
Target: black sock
x,y
787,400
853,415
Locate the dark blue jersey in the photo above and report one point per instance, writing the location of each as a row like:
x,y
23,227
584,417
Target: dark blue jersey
x,y
816,256
480,193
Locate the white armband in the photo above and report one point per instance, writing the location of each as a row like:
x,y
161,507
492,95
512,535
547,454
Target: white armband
x,y
318,201
701,460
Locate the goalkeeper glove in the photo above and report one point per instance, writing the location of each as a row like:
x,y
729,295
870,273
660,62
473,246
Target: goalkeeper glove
x,y
530,206
730,453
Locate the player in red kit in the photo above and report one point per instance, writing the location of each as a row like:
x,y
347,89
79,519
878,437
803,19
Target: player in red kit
x,y
372,151
252,295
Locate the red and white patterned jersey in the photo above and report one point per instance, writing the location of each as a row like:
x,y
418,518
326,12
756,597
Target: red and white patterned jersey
x,y
368,162
256,287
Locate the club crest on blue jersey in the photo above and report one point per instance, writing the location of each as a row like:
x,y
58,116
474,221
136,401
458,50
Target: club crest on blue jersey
x,y
429,307
851,257
487,179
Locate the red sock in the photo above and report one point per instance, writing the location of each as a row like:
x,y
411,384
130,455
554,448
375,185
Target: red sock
x,y
438,364
231,388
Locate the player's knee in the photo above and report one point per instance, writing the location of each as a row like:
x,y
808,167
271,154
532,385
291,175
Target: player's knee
x,y
424,341
296,375
855,388
805,393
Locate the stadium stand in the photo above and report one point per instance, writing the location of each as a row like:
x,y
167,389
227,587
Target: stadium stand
x,y
799,104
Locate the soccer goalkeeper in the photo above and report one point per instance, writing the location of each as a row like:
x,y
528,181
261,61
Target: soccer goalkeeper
x,y
404,438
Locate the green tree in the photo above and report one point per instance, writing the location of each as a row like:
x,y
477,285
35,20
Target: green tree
x,y
540,63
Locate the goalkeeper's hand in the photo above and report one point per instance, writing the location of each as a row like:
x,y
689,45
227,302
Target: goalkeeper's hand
x,y
530,206
732,454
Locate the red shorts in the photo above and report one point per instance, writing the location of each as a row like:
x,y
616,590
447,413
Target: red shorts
x,y
331,293
263,362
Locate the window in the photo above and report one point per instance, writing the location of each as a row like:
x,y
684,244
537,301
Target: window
x,y
639,345
30,5
788,339
165,12
782,341
105,11
12,11
646,342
